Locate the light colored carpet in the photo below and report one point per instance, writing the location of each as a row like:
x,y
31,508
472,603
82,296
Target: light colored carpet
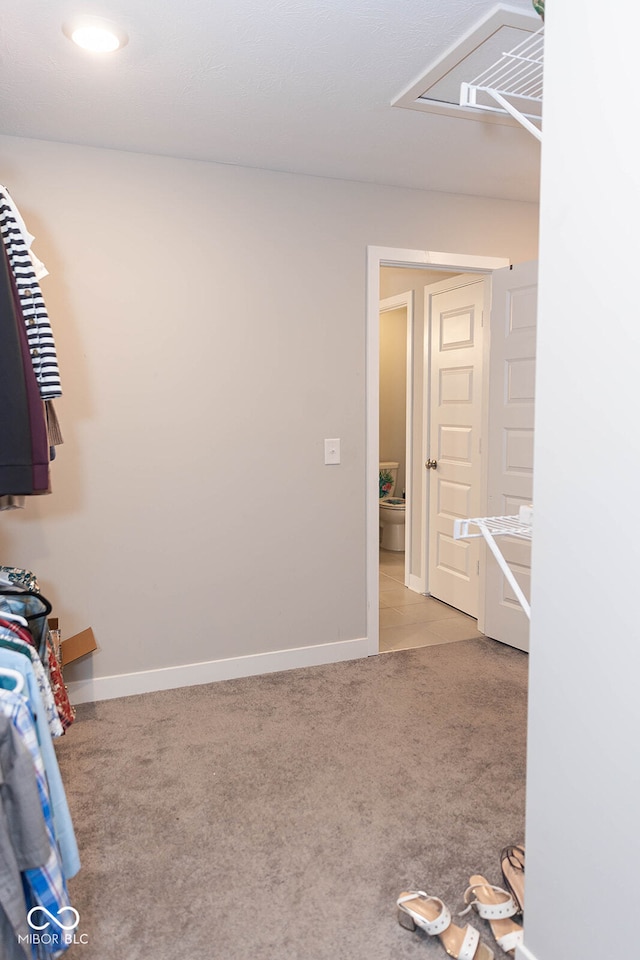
x,y
280,816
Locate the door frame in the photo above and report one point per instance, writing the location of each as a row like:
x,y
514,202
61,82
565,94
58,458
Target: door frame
x,y
405,301
378,257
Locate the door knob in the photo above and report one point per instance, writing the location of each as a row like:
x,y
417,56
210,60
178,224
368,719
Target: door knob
x,y
431,464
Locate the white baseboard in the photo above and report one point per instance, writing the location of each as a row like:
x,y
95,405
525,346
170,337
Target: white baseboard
x,y
190,674
523,954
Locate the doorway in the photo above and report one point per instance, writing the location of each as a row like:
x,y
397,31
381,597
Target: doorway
x,y
442,264
396,404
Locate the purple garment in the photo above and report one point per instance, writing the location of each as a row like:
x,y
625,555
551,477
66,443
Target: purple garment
x,y
37,421
16,473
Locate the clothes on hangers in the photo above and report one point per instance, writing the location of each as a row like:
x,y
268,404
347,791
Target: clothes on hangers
x,y
35,608
63,826
16,473
38,266
14,618
45,884
40,452
29,375
65,710
36,319
19,641
24,840
46,666
26,648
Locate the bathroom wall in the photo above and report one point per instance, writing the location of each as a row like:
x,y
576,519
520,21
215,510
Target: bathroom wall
x,y
210,322
393,391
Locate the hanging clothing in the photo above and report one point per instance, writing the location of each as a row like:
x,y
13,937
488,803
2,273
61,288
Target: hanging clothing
x,y
16,467
38,430
20,596
34,608
48,673
65,711
40,335
19,640
24,840
38,266
32,885
29,374
44,885
61,816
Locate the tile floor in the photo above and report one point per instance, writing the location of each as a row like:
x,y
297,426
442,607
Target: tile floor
x,y
408,619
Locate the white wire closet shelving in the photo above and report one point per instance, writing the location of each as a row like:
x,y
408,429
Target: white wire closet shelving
x,y
491,527
513,84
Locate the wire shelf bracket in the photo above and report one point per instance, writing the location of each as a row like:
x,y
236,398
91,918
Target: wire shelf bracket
x,y
513,84
492,527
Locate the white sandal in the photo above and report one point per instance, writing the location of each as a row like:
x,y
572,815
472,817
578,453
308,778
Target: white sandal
x,y
417,909
497,907
512,865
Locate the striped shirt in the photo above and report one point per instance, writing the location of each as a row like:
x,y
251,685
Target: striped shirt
x,y
39,333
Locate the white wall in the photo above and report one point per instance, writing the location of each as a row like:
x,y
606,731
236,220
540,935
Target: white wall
x,y
583,772
393,391
210,322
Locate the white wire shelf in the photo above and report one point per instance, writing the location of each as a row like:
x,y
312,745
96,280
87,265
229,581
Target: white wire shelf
x,y
490,527
496,526
513,84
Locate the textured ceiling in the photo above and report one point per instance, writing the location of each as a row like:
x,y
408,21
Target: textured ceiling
x,y
293,85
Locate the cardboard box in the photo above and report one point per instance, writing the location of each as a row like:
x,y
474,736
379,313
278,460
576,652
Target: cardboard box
x,y
78,646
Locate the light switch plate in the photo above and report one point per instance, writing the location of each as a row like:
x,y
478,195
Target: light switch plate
x,y
332,451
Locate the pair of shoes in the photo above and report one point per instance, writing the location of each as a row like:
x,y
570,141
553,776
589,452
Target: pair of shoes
x,y
498,907
512,864
417,909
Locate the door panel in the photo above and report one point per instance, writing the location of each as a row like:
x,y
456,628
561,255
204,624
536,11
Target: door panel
x,y
510,442
456,336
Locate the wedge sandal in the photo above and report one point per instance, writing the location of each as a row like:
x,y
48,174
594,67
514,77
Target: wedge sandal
x,y
512,866
417,909
497,907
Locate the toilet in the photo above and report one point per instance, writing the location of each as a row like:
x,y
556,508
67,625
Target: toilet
x,y
392,509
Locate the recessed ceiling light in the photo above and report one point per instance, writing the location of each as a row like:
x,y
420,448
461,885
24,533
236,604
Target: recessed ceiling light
x,y
95,34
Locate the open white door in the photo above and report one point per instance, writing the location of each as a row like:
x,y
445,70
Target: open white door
x,y
510,443
456,308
